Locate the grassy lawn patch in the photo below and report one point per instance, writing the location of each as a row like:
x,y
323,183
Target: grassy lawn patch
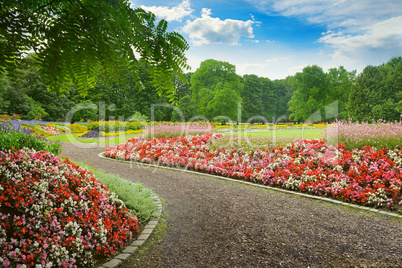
x,y
75,138
136,197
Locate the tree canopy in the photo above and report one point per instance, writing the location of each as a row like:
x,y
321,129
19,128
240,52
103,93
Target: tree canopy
x,y
216,89
378,92
76,40
316,91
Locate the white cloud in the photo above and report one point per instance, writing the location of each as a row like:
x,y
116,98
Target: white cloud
x,y
354,14
297,68
208,30
176,13
360,32
381,40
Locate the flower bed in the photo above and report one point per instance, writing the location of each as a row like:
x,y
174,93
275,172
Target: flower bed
x,y
14,136
177,129
356,135
97,133
91,134
55,214
51,130
364,176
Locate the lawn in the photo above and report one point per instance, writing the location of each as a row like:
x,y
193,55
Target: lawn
x,y
102,140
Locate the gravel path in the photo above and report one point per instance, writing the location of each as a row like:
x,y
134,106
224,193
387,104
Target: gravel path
x,y
215,223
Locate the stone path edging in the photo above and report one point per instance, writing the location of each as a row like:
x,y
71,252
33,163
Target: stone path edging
x,y
141,239
325,199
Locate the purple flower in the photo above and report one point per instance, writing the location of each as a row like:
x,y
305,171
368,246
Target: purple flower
x,y
92,134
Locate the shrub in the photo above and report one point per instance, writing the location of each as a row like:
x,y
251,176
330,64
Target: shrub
x,y
56,214
138,117
15,137
135,125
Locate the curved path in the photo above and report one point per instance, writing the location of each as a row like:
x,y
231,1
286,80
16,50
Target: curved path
x,y
215,223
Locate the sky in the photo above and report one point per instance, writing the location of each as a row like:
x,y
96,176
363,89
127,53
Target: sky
x,y
277,38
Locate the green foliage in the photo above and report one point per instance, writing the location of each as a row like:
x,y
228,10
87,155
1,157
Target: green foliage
x,y
310,94
377,93
340,83
123,100
37,112
283,92
76,40
114,126
17,140
259,99
4,84
210,83
316,90
224,103
85,114
187,109
215,90
136,197
139,117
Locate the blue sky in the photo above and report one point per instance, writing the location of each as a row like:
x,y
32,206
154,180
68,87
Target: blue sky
x,y
277,38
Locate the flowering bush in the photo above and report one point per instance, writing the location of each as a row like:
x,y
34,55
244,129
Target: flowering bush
x,y
176,130
77,128
49,129
55,214
14,136
364,176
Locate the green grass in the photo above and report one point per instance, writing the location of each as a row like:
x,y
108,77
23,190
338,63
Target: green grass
x,y
136,197
75,138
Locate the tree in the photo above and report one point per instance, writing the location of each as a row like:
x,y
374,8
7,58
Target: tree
x,y
211,77
123,99
377,92
4,104
359,104
224,102
394,86
340,84
310,94
54,104
76,40
252,97
283,92
183,88
186,107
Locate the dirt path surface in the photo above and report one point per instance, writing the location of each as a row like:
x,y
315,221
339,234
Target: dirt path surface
x,y
215,223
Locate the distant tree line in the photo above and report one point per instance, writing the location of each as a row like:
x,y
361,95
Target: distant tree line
x,y
215,92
